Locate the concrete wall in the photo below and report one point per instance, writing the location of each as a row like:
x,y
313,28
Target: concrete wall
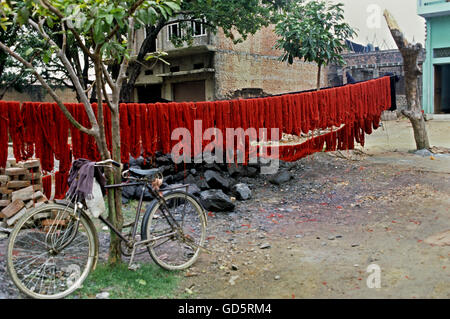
x,y
437,37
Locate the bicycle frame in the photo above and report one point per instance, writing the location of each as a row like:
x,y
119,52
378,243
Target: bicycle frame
x,y
138,211
165,211
145,183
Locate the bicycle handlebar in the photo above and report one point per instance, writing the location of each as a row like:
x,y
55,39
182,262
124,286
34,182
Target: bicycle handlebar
x,y
110,161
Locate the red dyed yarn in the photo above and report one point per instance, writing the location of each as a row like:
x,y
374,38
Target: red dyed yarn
x,y
124,133
16,129
145,131
47,185
61,185
164,127
3,134
45,136
134,117
28,137
63,148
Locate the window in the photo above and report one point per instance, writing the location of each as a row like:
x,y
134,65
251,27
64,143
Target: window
x,y
198,28
198,66
173,30
442,53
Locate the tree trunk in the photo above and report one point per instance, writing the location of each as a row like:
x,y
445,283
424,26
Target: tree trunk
x,y
115,196
319,71
410,54
127,90
420,131
135,68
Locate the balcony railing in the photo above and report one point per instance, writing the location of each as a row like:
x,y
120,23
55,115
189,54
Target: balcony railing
x,y
433,8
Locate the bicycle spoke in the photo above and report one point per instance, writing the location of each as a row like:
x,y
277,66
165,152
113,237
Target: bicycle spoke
x,y
37,266
174,252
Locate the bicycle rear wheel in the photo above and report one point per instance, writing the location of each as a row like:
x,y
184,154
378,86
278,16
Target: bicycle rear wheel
x,y
175,248
37,260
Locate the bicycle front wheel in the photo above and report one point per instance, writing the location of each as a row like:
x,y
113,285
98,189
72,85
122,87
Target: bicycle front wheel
x,y
51,252
176,245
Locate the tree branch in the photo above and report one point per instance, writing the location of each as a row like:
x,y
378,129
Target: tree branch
x,y
49,90
81,93
124,66
108,78
51,8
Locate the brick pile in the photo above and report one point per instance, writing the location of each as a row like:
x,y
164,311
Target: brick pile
x,y
20,190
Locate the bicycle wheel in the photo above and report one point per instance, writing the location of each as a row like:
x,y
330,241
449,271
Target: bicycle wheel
x,y
175,248
38,263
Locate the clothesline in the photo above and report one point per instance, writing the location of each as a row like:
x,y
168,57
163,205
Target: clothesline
x,y
41,130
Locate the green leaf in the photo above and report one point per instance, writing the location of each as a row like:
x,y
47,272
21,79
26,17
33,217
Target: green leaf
x,y
172,5
109,19
29,51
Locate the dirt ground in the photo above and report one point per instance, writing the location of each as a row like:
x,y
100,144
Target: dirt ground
x,y
315,236
333,220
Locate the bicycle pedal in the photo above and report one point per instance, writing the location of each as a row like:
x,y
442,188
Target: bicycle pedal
x,y
134,267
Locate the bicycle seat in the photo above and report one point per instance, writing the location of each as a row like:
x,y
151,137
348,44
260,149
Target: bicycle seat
x,y
144,172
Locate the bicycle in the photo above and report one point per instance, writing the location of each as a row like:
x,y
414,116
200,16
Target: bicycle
x,y
53,248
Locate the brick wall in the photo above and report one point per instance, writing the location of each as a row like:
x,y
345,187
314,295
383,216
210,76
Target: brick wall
x,y
365,66
36,93
254,64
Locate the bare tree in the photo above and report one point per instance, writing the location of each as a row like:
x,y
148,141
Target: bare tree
x,y
410,53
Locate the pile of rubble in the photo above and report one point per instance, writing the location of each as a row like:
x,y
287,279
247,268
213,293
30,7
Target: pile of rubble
x,y
20,189
217,186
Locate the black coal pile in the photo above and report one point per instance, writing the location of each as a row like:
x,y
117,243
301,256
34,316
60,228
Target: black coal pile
x,y
216,186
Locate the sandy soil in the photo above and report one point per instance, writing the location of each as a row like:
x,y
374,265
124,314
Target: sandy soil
x,y
333,220
324,228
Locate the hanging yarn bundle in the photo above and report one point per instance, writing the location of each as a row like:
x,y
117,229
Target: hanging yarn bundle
x,y
29,129
16,129
61,185
3,134
62,151
124,133
348,113
46,134
164,133
145,131
47,185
